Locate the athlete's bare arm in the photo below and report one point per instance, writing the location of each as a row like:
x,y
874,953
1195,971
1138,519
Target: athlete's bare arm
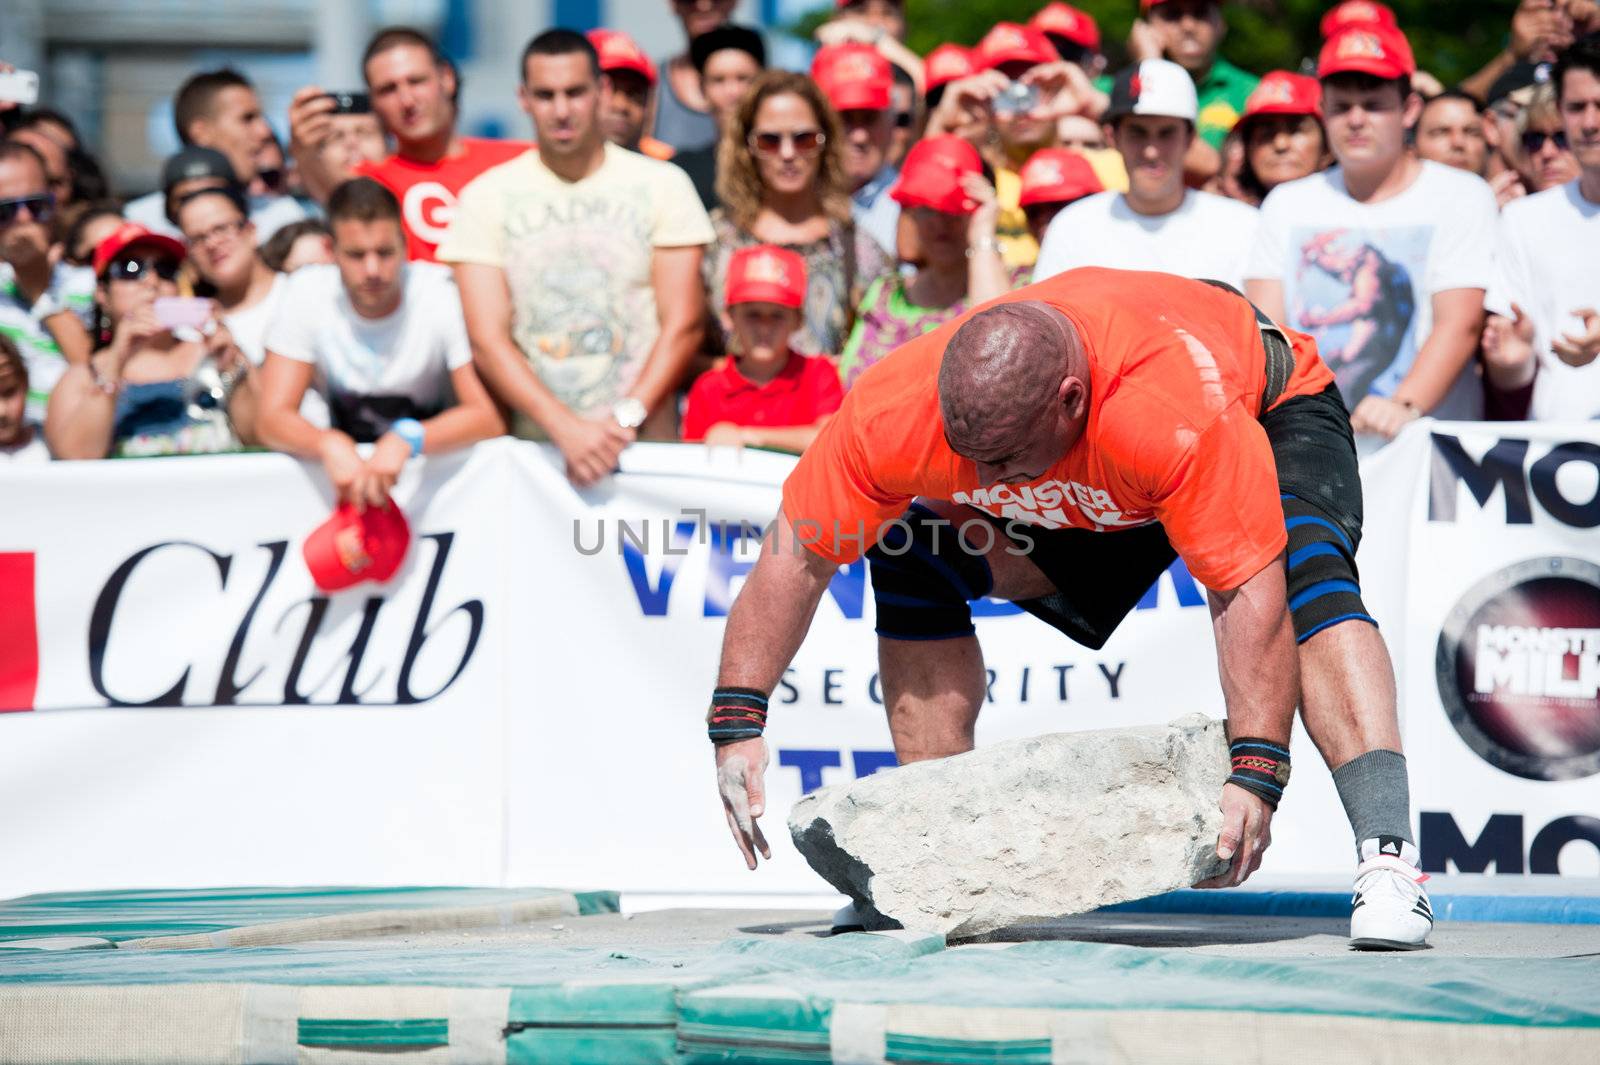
x,y
766,626
1260,674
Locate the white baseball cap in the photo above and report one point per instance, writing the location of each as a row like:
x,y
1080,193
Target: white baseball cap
x,y
1154,87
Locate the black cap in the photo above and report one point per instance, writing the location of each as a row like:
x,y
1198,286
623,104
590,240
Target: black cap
x,y
195,162
742,38
1521,76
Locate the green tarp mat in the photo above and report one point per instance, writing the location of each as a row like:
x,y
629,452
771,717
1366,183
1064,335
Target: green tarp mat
x,y
122,917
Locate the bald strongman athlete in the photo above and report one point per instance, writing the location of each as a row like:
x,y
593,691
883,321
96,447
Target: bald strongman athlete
x,y
1059,447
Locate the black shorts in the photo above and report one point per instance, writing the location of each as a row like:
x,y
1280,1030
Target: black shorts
x,y
1100,576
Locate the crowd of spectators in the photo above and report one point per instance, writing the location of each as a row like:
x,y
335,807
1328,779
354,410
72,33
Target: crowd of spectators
x,y
705,248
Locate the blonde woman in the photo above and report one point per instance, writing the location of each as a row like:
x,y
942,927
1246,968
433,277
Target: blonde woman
x,y
780,180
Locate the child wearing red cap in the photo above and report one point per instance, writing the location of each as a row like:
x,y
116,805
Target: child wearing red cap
x,y
764,394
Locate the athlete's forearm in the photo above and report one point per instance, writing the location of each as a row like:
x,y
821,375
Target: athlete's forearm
x,y
769,619
1256,656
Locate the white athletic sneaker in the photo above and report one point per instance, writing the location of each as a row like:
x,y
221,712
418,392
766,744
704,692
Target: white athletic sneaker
x,y
1390,910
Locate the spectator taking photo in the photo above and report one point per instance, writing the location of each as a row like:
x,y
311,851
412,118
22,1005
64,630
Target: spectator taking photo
x,y
413,92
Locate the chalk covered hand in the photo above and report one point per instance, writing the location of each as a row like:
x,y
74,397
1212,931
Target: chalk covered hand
x,y
735,723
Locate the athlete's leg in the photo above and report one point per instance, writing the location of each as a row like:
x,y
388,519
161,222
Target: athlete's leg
x,y
932,676
1347,697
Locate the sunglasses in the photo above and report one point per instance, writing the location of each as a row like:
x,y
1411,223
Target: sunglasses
x,y
132,269
41,208
1533,140
903,119
805,141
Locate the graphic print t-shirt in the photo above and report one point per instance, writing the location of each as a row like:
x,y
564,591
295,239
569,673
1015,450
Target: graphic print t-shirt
x,y
374,370
1177,374
427,191
1361,277
577,258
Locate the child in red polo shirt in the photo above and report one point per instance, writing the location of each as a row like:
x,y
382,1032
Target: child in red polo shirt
x,y
764,395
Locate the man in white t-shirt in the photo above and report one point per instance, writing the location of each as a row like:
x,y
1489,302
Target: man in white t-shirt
x,y
1158,224
579,269
1384,257
383,341
1544,335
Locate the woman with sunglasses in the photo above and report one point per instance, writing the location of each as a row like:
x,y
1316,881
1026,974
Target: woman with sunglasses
x,y
781,181
1543,158
167,381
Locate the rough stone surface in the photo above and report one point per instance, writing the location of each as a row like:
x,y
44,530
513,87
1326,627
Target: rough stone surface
x,y
1025,830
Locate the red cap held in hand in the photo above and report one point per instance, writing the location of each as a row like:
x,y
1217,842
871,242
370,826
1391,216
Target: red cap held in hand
x,y
1284,93
1064,20
1057,175
932,172
619,52
854,77
1375,50
1011,43
766,273
354,546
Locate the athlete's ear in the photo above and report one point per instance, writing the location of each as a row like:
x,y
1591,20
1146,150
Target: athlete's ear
x,y
1073,395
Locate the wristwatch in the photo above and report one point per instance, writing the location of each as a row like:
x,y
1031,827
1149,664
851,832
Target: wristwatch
x,y
629,412
410,430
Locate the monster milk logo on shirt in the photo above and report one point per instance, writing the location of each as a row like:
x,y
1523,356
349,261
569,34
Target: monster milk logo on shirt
x,y
1042,504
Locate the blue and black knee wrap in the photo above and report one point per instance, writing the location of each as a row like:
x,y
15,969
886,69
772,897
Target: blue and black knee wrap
x,y
1324,588
923,576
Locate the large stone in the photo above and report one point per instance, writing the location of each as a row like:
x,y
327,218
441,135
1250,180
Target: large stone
x,y
1024,830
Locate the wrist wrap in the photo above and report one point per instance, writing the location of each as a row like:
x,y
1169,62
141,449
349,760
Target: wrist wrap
x,y
736,714
1260,767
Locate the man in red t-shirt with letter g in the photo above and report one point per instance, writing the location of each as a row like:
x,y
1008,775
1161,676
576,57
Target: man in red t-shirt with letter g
x,y
412,89
1059,447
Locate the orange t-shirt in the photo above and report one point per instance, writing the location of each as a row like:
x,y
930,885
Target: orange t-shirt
x,y
1177,372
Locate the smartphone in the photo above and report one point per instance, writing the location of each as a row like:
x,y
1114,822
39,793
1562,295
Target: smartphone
x,y
19,87
178,312
351,103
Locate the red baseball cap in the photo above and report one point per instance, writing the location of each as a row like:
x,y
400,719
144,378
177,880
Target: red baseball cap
x,y
1375,50
1358,13
932,172
853,76
1056,175
1282,92
947,63
126,236
1011,43
766,273
619,52
354,546
1064,20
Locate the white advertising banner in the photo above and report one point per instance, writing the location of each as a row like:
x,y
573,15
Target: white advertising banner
x,y
524,702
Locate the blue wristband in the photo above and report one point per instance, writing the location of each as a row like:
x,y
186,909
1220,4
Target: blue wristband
x,y
410,430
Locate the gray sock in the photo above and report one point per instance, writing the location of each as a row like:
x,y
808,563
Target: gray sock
x,y
1376,795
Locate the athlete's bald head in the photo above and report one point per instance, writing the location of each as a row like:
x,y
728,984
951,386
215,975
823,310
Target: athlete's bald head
x,y
1009,374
